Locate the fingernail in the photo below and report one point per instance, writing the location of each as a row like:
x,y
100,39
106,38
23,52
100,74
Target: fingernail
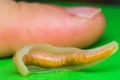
x,y
85,12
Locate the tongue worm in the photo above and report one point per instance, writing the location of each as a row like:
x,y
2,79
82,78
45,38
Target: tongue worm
x,y
47,57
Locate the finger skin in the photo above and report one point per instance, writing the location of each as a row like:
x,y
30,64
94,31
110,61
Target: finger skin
x,y
26,23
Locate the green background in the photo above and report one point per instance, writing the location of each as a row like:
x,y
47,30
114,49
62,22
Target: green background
x,y
106,70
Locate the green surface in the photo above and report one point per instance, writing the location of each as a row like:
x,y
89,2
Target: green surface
x,y
106,70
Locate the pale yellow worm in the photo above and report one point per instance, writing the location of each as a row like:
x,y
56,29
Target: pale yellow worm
x,y
49,57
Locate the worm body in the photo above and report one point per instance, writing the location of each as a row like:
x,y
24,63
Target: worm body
x,y
50,57
50,60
